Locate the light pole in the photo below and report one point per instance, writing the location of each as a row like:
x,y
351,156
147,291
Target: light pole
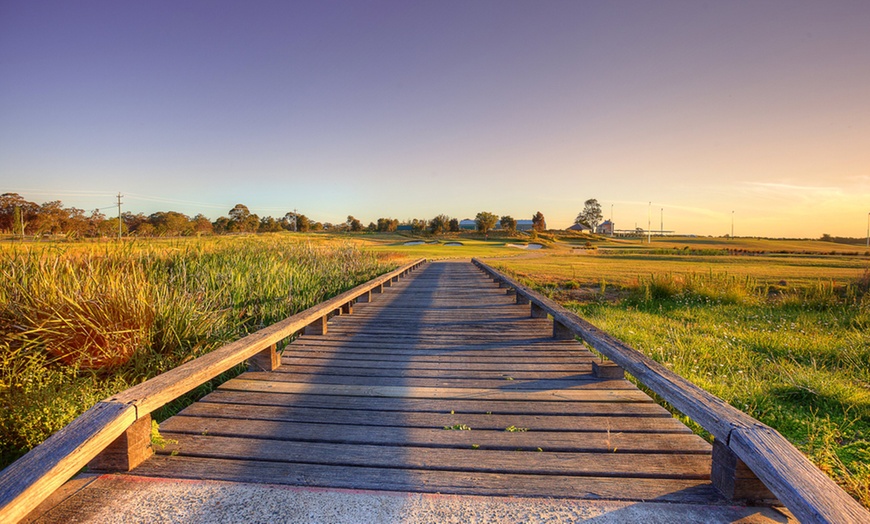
x,y
649,223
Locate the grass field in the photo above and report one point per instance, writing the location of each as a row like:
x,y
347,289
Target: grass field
x,y
784,338
80,322
777,328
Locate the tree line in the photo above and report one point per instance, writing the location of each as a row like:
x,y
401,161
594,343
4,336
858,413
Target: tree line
x,y
21,217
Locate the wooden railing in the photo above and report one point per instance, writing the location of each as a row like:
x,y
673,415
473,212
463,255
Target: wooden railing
x,y
748,457
115,434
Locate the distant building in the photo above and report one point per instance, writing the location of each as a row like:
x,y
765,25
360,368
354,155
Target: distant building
x,y
605,228
580,228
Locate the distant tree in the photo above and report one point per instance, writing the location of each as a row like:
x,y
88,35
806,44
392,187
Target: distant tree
x,y
826,238
170,223
538,222
76,223
201,225
8,203
509,223
303,224
94,222
269,225
313,226
387,225
145,229
239,212
221,225
454,225
372,227
591,214
418,225
485,221
353,224
439,224
132,222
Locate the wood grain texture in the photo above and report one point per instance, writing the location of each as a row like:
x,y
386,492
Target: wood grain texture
x,y
31,479
442,383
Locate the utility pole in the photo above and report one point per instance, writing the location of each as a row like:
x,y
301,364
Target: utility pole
x,y
649,223
119,216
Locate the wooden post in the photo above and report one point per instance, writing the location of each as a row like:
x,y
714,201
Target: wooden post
x,y
734,479
521,300
561,332
388,283
266,360
395,279
607,369
128,450
318,327
378,289
347,309
538,311
365,297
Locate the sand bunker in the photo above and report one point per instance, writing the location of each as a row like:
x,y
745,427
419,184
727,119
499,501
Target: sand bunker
x,y
525,246
414,242
453,243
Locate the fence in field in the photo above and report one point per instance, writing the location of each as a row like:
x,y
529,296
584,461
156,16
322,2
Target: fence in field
x,y
748,457
115,434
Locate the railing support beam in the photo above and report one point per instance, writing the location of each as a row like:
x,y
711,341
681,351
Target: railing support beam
x,y
607,369
318,327
266,360
734,479
128,450
561,331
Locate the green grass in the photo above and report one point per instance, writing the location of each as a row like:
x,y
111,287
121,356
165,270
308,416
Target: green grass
x,y
82,322
793,356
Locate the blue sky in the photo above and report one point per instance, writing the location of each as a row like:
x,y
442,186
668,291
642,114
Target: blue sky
x,y
410,109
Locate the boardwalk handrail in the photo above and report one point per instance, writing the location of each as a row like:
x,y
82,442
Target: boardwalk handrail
x,y
32,478
803,488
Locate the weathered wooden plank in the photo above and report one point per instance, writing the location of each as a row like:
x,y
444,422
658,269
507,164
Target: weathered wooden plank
x,y
625,465
810,494
490,421
456,370
504,383
530,440
427,481
643,408
29,480
627,395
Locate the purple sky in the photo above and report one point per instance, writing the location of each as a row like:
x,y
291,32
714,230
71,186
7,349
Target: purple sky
x,y
411,109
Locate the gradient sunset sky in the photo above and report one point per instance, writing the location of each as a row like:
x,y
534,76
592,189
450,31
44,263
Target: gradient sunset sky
x,y
409,109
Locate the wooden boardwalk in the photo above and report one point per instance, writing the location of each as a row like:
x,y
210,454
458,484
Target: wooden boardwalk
x,y
385,399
